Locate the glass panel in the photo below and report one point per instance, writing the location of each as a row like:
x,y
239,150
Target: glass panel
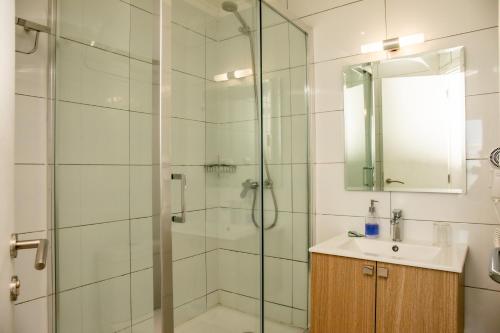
x,y
285,137
104,166
215,145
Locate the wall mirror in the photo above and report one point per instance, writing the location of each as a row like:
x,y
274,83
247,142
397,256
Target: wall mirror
x,y
405,123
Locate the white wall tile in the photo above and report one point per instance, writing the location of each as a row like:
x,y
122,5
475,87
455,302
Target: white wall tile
x,y
300,236
228,55
91,194
275,48
91,135
188,239
298,86
278,280
190,16
141,243
141,34
300,188
239,273
106,24
30,198
300,139
141,138
189,279
192,136
188,51
329,137
302,8
141,191
300,281
36,11
233,229
298,46
212,258
279,239
482,125
480,311
31,130
282,185
32,316
276,93
105,306
31,69
328,226
188,311
342,31
103,253
141,86
408,17
475,206
188,96
276,314
92,76
332,198
142,295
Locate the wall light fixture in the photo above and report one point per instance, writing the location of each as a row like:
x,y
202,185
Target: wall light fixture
x,y
393,44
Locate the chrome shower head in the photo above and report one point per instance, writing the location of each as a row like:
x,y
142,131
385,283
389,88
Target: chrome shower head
x,y
229,6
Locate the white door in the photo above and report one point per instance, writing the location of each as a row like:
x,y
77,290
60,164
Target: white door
x,y
7,69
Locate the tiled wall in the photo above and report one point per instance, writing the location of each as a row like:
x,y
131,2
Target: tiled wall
x,y
340,28
32,215
103,166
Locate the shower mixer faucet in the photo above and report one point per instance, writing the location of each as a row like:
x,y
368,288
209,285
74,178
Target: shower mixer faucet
x,y
247,186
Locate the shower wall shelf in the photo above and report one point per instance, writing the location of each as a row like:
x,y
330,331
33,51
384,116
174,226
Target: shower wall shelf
x,y
31,26
220,168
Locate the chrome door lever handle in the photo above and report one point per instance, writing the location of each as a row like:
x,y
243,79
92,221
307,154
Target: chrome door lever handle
x,y
390,181
40,245
182,178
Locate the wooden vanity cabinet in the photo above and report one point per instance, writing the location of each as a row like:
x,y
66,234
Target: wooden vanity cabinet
x,y
360,296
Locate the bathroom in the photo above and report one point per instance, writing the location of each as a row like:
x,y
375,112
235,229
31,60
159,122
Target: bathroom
x,y
236,166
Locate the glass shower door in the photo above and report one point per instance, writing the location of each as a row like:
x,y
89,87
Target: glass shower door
x,y
106,205
285,158
215,147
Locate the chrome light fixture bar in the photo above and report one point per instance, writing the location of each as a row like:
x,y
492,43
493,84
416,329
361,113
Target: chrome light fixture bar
x,y
393,44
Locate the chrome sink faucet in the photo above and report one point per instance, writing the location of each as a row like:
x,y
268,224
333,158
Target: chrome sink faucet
x,y
396,227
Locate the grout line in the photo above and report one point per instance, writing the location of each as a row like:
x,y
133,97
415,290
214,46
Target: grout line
x,y
326,10
484,289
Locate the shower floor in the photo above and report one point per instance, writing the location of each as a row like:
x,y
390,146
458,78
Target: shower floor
x,y
225,320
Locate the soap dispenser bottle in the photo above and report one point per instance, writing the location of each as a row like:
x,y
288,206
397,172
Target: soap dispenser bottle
x,y
371,222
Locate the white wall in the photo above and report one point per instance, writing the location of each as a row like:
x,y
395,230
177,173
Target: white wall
x,y
340,27
31,163
6,156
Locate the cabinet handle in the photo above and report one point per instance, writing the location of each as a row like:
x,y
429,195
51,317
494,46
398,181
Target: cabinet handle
x,y
368,270
382,272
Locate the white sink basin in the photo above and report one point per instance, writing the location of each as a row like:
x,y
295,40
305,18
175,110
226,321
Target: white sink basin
x,y
450,258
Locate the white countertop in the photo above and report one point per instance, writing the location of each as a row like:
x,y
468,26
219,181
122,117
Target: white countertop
x,y
449,258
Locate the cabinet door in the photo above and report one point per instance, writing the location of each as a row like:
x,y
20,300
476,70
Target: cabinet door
x,y
411,300
343,295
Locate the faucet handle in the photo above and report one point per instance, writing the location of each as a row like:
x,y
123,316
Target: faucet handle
x,y
397,214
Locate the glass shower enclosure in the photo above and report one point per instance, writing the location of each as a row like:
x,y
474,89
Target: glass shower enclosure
x,y
181,195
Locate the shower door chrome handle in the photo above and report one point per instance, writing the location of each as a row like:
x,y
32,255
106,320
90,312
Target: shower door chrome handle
x,y
182,178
